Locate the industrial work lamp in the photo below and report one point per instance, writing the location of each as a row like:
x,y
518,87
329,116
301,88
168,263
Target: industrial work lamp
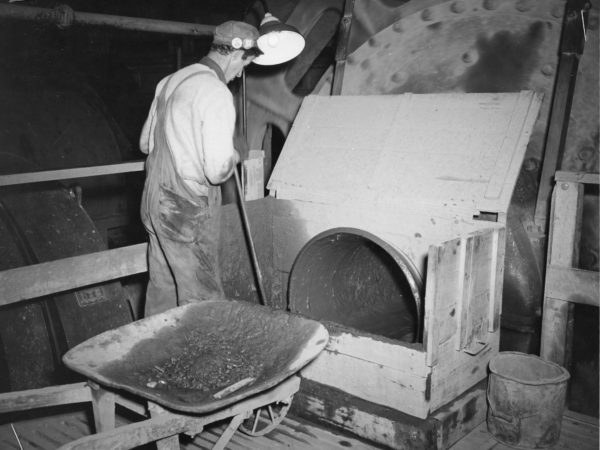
x,y
278,41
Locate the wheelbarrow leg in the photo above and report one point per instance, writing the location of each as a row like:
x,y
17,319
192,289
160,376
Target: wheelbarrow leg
x,y
103,405
229,431
167,443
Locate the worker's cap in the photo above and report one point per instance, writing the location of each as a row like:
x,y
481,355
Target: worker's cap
x,y
237,34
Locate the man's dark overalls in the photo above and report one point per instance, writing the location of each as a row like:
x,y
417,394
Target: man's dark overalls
x,y
183,230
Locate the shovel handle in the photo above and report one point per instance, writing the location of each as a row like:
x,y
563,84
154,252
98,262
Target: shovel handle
x,y
246,225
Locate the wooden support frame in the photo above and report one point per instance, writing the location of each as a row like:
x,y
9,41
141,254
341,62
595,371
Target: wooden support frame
x,y
164,426
565,285
67,174
71,273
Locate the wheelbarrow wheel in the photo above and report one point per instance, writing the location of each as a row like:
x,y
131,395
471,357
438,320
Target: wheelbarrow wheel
x,y
264,419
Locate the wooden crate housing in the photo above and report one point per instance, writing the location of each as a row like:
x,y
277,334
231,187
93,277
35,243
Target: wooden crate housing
x,y
417,171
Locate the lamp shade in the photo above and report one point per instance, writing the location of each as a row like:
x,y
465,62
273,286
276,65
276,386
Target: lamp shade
x,y
278,41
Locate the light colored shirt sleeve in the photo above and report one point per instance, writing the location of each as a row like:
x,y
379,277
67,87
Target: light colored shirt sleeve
x,y
216,134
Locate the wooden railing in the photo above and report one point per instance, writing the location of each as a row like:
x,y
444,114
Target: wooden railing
x,y
565,285
27,282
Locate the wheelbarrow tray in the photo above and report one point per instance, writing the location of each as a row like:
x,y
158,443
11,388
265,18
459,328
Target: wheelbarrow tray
x,y
203,356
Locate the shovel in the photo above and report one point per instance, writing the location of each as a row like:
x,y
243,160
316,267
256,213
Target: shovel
x,y
246,225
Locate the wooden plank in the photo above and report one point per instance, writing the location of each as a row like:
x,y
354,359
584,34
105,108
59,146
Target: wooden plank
x,y
508,162
404,358
460,416
464,290
370,381
565,229
292,433
456,372
43,397
574,434
497,280
47,278
441,296
413,151
573,285
430,330
325,405
67,174
577,177
483,269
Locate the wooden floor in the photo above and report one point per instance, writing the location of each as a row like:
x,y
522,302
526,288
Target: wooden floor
x,y
52,431
578,432
49,431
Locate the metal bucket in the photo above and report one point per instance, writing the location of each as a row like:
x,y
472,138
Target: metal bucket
x,y
526,396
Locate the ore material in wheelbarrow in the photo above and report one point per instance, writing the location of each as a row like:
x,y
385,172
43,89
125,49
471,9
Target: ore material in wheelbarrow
x,y
202,356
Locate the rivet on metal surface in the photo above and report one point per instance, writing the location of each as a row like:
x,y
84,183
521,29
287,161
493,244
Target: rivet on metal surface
x,y
399,77
373,42
548,70
557,11
458,7
490,4
531,164
586,154
397,27
565,186
523,5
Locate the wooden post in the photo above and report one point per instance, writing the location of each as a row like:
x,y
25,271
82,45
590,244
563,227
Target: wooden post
x,y
103,405
565,229
165,443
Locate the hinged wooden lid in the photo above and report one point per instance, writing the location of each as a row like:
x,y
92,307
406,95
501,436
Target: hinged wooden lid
x,y
456,154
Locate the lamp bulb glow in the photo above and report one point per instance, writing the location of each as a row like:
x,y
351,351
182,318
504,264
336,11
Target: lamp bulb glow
x,y
273,39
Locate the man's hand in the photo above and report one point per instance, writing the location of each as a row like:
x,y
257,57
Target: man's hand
x,y
236,157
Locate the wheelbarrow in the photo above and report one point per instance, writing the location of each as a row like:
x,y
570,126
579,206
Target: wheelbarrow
x,y
193,366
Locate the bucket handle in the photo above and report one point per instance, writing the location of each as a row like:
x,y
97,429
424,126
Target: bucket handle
x,y
506,418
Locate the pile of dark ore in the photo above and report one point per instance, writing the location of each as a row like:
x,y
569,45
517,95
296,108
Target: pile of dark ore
x,y
205,363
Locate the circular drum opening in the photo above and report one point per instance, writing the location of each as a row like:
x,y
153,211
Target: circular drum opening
x,y
351,277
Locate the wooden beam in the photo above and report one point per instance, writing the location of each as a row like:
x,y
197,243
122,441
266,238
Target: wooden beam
x,y
67,174
48,396
577,177
565,229
65,274
573,285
